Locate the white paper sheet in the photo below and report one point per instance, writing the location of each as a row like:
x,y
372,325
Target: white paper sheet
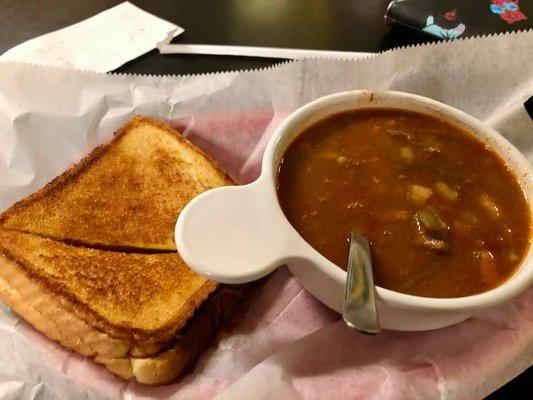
x,y
100,43
51,117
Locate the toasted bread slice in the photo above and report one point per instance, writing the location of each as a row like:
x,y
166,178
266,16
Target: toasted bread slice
x,y
126,194
138,297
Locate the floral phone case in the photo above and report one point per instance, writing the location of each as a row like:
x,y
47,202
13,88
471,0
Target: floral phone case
x,y
448,19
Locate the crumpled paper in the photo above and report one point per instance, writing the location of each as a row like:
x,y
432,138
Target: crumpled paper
x,y
100,43
286,344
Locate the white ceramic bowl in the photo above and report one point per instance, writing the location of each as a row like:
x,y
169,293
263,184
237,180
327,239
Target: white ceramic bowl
x,y
238,234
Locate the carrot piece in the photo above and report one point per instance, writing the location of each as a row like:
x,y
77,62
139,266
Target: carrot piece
x,y
489,273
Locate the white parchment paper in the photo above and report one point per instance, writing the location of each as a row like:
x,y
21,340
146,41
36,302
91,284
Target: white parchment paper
x,y
287,344
100,43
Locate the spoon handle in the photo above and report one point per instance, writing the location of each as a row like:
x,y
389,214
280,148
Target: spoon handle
x,y
359,309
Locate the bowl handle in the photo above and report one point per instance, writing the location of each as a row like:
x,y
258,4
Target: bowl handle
x,y
235,234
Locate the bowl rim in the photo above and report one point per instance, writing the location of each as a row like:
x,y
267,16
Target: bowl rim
x,y
521,278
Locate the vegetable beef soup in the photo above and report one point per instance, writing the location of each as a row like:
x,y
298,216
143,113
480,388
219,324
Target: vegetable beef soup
x,y
444,215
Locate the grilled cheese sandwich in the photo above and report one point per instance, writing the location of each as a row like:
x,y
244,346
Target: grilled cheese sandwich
x,y
90,261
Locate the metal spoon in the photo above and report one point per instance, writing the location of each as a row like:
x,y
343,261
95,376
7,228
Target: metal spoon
x,y
359,309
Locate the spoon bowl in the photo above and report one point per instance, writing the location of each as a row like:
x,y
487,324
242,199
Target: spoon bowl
x,y
359,310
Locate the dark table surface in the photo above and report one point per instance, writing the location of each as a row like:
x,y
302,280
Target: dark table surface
x,y
353,25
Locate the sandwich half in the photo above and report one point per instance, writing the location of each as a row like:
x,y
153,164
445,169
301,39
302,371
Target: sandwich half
x,y
90,261
126,194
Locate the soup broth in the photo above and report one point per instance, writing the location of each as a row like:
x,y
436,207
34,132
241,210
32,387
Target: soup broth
x,y
444,215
